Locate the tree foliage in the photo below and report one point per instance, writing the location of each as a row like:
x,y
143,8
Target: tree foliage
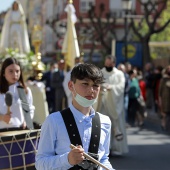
x,y
165,34
150,23
102,25
153,21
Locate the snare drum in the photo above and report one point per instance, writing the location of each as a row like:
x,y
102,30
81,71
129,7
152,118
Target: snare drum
x,y
18,149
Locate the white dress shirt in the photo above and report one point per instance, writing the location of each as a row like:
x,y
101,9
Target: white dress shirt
x,y
17,117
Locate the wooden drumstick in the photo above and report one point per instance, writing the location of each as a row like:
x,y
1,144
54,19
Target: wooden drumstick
x,y
90,158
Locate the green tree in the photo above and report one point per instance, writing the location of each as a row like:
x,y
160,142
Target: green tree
x,y
100,29
150,24
165,34
161,51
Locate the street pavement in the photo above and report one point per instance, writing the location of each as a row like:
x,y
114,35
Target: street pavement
x,y
149,149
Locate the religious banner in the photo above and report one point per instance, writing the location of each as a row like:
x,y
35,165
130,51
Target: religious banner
x,y
70,48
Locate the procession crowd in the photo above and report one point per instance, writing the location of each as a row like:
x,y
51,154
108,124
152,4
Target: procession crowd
x,y
125,94
86,106
143,89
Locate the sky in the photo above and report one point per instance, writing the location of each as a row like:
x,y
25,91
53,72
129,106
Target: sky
x,y
5,4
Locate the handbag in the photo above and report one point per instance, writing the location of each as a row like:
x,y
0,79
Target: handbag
x,y
141,101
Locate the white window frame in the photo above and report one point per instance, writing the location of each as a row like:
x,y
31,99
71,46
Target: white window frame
x,y
85,5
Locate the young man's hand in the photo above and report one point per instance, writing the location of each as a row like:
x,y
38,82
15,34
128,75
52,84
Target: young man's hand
x,y
75,156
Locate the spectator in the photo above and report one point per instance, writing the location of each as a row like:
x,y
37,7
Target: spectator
x,y
156,82
50,91
148,77
11,78
67,79
57,84
127,86
134,94
164,99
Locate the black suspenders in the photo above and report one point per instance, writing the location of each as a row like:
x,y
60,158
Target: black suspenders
x,y
74,133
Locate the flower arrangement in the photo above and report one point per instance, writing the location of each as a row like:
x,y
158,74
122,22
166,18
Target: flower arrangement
x,y
26,60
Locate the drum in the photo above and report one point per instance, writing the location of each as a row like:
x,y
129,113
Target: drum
x,y
18,149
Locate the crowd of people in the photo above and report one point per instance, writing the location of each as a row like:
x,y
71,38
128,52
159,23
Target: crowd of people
x,y
120,94
87,106
148,91
135,90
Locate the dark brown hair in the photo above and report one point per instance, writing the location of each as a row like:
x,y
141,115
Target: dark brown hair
x,y
4,86
89,71
111,57
15,2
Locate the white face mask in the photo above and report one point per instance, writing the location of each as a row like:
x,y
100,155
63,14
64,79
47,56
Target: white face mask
x,y
83,101
55,70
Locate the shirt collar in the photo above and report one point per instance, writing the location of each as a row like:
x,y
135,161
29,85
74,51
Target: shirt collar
x,y
13,86
80,116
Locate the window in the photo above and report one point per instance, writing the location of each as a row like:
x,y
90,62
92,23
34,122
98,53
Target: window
x,y
151,6
85,5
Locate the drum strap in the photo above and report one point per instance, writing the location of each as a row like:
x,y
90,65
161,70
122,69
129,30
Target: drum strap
x,y
75,136
25,107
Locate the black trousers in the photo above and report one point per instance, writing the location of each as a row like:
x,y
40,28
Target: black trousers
x,y
133,107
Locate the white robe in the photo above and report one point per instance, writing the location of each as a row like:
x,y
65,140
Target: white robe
x,y
111,103
48,39
14,31
66,89
39,101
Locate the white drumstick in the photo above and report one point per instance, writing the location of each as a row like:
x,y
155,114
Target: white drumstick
x,y
90,158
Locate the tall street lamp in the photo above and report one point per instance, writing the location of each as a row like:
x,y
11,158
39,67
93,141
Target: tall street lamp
x,y
126,6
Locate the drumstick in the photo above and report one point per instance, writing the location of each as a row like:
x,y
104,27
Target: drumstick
x,y
90,158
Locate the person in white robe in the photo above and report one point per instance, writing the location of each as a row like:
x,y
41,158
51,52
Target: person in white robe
x,y
111,103
49,38
14,31
39,101
67,79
